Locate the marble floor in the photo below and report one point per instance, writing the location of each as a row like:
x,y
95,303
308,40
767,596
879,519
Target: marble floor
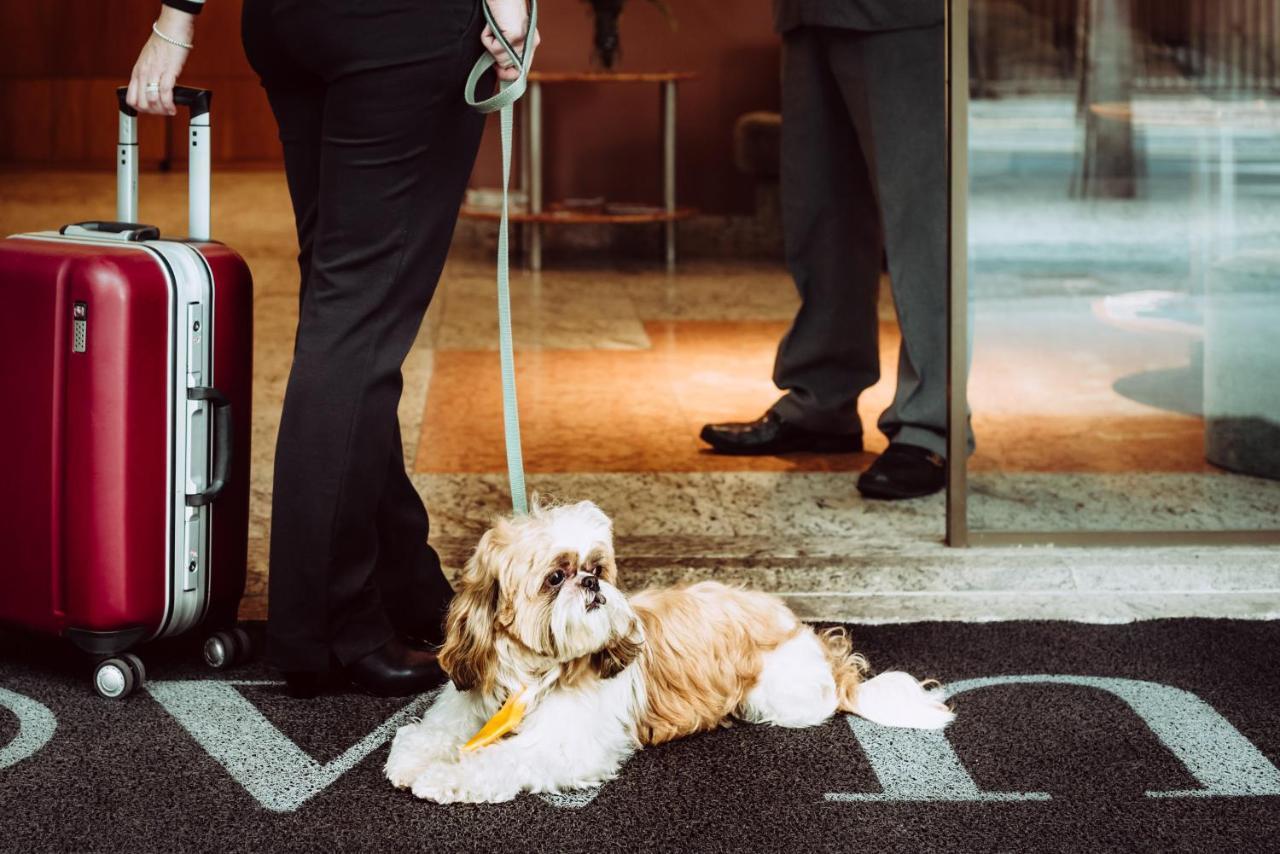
x,y
619,366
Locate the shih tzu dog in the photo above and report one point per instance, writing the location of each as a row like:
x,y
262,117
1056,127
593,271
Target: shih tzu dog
x,y
542,647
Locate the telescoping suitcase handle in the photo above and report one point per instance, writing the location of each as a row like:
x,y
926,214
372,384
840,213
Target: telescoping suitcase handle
x,y
197,102
222,443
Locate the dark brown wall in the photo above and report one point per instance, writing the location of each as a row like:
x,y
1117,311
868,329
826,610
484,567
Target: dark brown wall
x,y
604,139
60,60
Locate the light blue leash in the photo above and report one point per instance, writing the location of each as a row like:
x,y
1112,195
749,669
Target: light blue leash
x,y
503,103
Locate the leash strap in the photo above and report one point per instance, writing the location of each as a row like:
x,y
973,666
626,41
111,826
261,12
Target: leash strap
x,y
502,102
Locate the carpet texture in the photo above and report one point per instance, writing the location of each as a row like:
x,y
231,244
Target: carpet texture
x,y
1156,736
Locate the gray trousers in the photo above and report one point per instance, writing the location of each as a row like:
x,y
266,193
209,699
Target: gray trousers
x,y
864,172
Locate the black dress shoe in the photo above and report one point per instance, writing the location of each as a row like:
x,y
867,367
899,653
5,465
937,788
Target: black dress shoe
x,y
396,670
904,471
771,435
421,644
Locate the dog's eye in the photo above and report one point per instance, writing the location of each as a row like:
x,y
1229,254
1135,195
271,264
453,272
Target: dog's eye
x,y
555,579
596,569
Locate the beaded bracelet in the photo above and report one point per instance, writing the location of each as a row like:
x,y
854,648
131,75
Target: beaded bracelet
x,y
174,42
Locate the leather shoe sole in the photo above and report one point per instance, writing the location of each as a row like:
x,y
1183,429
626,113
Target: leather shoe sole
x,y
903,471
793,440
893,492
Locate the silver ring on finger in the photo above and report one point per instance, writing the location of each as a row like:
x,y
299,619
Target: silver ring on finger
x,y
152,87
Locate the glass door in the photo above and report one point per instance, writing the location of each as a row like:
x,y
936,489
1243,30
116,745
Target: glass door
x,y
1115,270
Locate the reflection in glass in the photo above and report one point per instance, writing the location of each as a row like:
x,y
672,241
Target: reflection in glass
x,y
1124,249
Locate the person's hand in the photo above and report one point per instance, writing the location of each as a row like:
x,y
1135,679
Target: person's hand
x,y
512,18
160,63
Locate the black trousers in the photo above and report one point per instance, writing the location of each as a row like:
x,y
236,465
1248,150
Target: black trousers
x,y
378,145
864,173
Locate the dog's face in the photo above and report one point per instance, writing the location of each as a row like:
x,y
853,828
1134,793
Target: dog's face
x,y
541,588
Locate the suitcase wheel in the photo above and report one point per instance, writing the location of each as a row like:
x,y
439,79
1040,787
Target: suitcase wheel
x,y
244,645
139,671
227,648
117,678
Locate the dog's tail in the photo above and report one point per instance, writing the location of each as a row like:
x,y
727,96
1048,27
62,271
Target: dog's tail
x,y
891,699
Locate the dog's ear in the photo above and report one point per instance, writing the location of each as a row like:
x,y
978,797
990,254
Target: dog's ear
x,y
469,654
620,651
588,510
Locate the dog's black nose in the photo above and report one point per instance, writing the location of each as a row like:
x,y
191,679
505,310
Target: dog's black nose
x,y
590,582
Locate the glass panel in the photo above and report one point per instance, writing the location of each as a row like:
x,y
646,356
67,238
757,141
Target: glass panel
x,y
1124,265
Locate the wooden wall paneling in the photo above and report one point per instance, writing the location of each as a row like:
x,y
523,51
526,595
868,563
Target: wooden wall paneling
x,y
26,120
604,139
26,40
78,49
83,125
250,134
243,128
105,37
70,138
218,51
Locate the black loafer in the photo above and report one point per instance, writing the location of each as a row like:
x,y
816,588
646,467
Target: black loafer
x,y
904,471
771,435
422,644
396,670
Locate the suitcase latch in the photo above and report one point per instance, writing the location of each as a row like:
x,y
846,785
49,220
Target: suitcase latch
x,y
79,327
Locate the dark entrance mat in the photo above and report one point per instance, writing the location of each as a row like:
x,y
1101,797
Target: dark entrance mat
x,y
1151,736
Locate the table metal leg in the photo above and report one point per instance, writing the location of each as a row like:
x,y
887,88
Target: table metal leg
x,y
669,166
535,173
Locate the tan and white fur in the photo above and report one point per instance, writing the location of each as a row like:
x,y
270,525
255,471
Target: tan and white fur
x,y
538,608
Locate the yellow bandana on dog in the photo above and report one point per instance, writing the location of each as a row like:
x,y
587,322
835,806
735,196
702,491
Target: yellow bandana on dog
x,y
503,721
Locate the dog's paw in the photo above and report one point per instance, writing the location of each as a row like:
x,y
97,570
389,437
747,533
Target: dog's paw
x,y
438,785
401,774
408,756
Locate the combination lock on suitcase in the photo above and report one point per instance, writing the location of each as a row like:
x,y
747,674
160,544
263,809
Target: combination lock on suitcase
x,y
126,363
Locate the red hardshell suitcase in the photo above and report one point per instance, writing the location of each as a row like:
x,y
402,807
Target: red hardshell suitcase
x,y
126,370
